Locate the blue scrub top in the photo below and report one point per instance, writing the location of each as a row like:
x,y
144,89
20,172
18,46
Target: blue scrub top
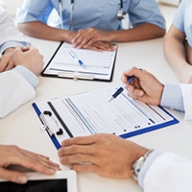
x,y
183,19
99,14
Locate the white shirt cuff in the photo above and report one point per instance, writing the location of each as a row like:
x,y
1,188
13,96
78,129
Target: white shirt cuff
x,y
13,44
28,75
172,97
148,162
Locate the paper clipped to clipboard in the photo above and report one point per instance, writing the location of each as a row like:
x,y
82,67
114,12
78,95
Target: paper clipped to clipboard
x,y
98,65
78,115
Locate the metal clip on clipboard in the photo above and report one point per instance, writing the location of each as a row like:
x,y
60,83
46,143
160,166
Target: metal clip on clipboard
x,y
45,125
76,75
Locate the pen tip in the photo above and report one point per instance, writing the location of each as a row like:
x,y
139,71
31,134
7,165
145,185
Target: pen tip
x,y
110,100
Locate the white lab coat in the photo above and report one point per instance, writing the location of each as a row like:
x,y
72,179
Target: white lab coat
x,y
14,91
169,173
8,31
14,88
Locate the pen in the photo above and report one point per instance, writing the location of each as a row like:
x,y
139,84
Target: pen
x,y
120,90
76,58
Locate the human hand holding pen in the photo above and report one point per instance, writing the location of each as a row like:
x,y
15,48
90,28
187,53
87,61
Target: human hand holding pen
x,y
145,87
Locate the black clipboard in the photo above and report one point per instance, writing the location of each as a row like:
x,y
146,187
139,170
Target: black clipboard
x,y
78,75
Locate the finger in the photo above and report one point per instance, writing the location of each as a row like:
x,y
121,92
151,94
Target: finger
x,y
41,159
79,34
4,63
136,94
87,140
91,168
101,46
94,48
13,176
90,41
75,149
134,72
106,46
85,41
33,163
36,165
19,48
10,65
77,158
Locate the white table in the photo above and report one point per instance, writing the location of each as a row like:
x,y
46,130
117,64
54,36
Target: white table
x,y
22,127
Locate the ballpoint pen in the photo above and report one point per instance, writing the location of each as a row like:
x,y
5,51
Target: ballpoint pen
x,y
120,90
76,58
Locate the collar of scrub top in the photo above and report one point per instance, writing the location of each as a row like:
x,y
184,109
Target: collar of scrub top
x,y
120,13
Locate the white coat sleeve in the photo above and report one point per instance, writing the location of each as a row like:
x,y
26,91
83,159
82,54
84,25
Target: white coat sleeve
x,y
15,90
187,100
169,173
8,31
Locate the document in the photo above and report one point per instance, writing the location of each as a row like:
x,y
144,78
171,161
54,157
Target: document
x,y
71,62
91,113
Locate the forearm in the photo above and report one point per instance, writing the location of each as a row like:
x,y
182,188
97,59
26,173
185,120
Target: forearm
x,y
175,54
142,32
40,30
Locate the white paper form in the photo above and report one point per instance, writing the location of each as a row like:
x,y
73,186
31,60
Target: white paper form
x,y
98,64
91,113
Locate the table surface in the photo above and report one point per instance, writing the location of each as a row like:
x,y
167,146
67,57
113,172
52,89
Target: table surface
x,y
22,127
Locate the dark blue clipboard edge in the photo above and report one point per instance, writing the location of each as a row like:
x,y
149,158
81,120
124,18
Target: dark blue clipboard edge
x,y
53,138
55,76
124,136
152,128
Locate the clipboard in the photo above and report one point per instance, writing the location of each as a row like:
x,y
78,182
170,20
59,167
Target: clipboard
x,y
78,115
98,66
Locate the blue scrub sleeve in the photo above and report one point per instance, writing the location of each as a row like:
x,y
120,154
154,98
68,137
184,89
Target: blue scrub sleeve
x,y
178,20
34,10
142,11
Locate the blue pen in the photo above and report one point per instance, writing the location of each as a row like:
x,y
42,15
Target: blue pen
x,y
120,90
76,58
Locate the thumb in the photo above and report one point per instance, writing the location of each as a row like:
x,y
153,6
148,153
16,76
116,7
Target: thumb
x,y
13,176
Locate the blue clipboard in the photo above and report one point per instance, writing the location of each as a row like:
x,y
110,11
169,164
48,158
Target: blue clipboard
x,y
126,135
52,137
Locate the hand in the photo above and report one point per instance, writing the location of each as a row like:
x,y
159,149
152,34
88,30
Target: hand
x,y
87,37
145,87
12,155
29,58
101,46
188,51
6,61
103,154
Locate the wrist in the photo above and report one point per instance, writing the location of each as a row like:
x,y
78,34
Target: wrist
x,y
137,165
9,50
111,36
68,35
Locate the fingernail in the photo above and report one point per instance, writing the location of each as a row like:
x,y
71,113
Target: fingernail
x,y
140,94
22,179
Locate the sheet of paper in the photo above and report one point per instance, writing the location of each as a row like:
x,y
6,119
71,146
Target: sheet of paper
x,y
91,113
98,64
